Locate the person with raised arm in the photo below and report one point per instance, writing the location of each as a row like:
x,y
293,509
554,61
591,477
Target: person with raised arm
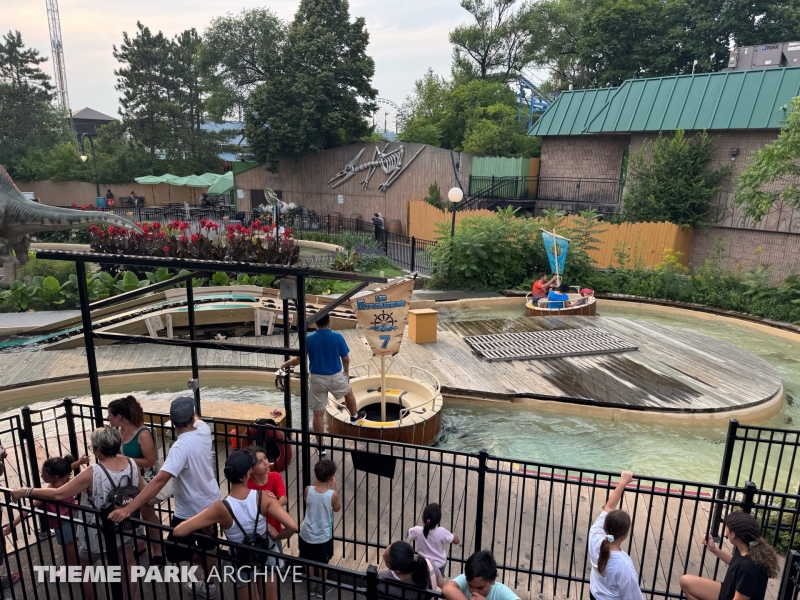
x,y
613,575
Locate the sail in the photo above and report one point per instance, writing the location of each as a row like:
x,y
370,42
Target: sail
x,y
383,315
556,248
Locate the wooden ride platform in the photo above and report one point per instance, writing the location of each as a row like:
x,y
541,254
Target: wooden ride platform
x,y
673,370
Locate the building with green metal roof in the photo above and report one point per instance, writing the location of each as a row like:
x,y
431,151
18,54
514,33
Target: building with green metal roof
x,y
587,136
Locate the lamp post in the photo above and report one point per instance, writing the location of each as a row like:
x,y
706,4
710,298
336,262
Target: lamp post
x,y
84,137
455,195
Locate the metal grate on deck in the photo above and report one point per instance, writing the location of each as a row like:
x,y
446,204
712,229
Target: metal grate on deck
x,y
547,344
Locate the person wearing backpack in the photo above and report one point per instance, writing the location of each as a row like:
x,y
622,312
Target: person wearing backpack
x,y
243,518
113,478
195,488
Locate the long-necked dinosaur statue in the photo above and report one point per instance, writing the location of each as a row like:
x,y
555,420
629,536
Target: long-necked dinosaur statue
x,y
20,217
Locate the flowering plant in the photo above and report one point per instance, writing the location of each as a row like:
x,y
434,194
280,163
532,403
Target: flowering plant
x,y
206,241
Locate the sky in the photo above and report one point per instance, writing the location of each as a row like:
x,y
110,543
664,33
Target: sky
x,y
406,37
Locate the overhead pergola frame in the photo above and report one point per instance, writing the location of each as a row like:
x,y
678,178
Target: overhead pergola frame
x,y
301,274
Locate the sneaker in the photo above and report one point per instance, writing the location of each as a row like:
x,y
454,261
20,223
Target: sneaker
x,y
362,414
312,589
202,590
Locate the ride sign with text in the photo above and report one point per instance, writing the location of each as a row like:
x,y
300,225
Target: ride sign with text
x,y
383,315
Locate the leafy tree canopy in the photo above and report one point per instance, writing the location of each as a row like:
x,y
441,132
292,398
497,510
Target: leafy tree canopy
x,y
773,174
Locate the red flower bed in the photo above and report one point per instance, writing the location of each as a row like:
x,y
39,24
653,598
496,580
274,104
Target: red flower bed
x,y
209,241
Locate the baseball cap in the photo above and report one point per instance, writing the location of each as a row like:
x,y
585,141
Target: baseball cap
x,y
238,463
181,409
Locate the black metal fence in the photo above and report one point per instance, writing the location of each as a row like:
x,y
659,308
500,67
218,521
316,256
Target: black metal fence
x,y
534,517
406,252
166,214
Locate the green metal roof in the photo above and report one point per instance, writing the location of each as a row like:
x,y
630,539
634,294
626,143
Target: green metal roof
x,y
571,112
712,101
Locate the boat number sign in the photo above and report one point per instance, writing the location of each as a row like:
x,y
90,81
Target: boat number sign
x,y
383,315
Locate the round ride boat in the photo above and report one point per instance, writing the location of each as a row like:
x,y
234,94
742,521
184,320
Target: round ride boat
x,y
399,408
581,306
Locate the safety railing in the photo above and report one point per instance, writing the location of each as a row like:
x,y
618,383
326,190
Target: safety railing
x,y
535,517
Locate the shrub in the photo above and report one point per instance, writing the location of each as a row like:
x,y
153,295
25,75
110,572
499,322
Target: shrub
x,y
670,180
59,269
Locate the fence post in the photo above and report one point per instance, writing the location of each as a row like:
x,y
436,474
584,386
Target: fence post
x,y
385,241
749,495
724,474
27,435
413,253
71,433
328,222
372,583
789,580
483,456
110,546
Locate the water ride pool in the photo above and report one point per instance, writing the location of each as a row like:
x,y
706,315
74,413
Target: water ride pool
x,y
521,431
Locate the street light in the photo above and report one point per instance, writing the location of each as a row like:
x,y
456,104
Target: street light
x,y
84,158
455,195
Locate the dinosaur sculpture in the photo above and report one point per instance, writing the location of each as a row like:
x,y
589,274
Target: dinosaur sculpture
x,y
20,217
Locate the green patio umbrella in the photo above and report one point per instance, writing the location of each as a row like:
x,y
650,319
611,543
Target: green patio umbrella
x,y
222,185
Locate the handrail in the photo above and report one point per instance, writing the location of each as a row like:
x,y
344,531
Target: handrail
x,y
404,412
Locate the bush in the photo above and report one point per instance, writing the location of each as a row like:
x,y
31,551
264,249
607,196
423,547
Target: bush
x,y
70,236
59,269
670,180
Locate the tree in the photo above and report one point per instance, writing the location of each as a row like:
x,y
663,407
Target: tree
x,y
141,79
239,53
28,120
494,45
773,174
423,109
322,94
670,179
62,162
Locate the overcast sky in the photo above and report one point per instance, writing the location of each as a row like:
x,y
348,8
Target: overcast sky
x,y
406,37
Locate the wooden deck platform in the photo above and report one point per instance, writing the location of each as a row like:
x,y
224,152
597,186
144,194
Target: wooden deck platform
x,y
673,371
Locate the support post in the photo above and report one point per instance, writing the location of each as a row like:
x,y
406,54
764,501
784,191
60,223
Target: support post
x,y
372,583
88,341
413,253
300,305
111,550
453,224
724,475
383,388
193,350
483,456
30,446
789,583
71,433
749,495
287,387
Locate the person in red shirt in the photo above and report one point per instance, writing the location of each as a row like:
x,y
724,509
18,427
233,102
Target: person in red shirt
x,y
541,286
265,479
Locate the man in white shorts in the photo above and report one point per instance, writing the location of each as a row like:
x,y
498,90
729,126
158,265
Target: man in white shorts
x,y
329,368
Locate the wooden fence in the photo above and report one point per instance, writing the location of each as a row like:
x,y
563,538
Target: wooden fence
x,y
644,242
64,193
422,218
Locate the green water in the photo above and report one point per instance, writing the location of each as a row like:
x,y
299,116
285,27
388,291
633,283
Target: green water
x,y
686,452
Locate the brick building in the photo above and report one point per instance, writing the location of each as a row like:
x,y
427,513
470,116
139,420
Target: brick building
x,y
587,136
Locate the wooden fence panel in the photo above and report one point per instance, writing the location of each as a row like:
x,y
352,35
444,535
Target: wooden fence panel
x,y
64,193
645,241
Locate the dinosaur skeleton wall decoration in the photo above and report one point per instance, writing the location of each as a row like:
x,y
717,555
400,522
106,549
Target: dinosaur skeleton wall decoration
x,y
390,162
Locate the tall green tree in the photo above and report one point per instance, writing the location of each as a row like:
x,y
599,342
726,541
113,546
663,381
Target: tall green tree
x,y
323,93
494,45
28,120
773,174
144,106
239,53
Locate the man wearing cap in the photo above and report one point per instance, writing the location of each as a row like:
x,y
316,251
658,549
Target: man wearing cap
x,y
329,369
194,487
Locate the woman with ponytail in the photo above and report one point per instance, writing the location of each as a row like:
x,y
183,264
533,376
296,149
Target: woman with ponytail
x,y
431,539
127,415
406,565
613,575
753,563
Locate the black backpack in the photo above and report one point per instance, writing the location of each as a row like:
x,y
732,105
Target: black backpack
x,y
121,495
254,539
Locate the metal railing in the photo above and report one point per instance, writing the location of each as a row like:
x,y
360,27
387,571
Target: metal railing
x,y
581,191
408,253
534,517
140,214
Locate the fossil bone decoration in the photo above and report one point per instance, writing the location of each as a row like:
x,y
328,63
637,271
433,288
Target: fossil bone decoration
x,y
391,163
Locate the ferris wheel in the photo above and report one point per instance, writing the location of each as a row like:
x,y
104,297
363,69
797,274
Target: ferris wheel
x,y
384,119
